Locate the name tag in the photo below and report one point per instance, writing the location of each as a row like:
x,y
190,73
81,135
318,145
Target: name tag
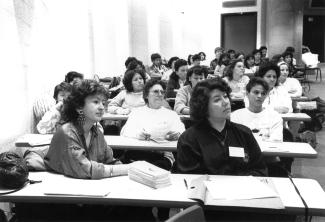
x,y
236,152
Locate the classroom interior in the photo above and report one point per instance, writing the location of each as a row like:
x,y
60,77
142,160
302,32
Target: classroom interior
x,y
42,40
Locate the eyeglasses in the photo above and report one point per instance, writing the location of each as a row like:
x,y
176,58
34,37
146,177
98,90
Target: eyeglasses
x,y
157,92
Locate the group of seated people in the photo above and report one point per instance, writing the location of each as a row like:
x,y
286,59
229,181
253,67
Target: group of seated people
x,y
78,148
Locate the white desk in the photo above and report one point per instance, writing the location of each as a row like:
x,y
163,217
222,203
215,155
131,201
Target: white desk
x,y
123,191
284,149
287,149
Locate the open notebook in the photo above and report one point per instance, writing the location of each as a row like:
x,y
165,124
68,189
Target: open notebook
x,y
241,191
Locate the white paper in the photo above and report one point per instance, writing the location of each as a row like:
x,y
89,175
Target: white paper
x,y
236,152
76,187
239,188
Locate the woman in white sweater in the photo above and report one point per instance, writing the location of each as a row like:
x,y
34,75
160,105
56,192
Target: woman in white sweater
x,y
153,122
132,96
292,85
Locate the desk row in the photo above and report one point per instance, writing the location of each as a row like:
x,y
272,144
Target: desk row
x,y
123,191
282,149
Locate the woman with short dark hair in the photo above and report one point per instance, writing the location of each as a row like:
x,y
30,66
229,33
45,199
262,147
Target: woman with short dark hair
x,y
78,148
131,97
52,118
204,147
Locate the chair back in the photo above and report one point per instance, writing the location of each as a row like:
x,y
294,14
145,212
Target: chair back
x,y
191,214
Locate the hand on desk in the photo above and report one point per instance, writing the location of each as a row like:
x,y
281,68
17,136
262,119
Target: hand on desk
x,y
144,135
172,135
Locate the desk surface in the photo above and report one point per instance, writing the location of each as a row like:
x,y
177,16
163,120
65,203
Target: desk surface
x,y
285,117
284,149
123,191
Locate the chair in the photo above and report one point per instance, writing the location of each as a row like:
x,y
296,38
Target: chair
x,y
191,214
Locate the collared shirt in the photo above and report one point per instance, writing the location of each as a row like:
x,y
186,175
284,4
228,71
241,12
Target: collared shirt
x,y
69,154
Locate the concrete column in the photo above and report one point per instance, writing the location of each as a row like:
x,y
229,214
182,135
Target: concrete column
x,y
284,22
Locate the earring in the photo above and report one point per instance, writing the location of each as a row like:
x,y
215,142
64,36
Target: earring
x,y
81,118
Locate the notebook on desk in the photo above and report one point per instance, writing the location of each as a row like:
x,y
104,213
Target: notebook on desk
x,y
76,187
235,191
33,140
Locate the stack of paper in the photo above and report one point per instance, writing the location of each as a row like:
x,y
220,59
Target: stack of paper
x,y
149,174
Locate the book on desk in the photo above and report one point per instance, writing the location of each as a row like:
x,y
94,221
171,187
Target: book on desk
x,y
240,191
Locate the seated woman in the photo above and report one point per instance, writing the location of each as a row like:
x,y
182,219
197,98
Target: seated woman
x,y
278,97
52,118
257,57
223,62
236,79
264,122
177,78
206,147
182,101
292,85
153,121
288,58
131,97
250,68
78,148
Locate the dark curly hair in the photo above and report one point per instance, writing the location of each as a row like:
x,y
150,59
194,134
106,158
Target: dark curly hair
x,y
199,101
63,86
76,100
171,60
198,70
71,75
265,67
155,56
149,84
230,71
257,81
127,80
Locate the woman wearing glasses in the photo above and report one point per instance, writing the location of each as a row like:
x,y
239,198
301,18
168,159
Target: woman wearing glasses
x,y
155,122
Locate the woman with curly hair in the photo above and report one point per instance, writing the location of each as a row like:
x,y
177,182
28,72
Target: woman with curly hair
x,y
78,148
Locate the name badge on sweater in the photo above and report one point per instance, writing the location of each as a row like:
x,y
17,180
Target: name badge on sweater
x,y
236,152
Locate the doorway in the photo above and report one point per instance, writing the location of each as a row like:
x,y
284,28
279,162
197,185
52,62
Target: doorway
x,y
314,34
238,31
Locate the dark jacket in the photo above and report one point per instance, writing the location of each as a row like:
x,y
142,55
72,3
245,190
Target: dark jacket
x,y
200,150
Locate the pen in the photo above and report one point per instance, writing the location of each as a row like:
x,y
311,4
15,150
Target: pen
x,y
185,184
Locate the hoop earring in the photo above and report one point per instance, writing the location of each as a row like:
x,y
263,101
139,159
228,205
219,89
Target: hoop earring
x,y
81,118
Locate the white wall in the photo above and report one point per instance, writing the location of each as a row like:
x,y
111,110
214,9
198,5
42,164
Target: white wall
x,y
42,40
